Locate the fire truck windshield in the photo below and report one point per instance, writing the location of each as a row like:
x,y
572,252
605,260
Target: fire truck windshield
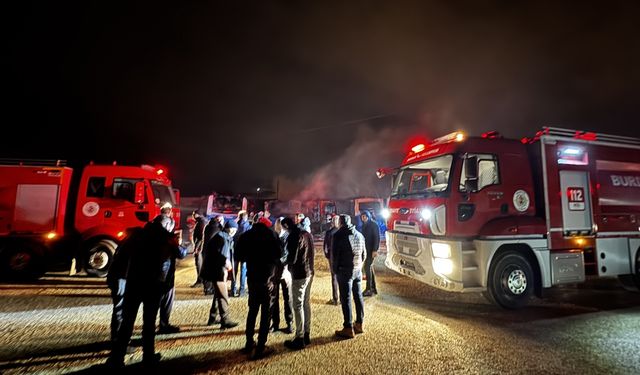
x,y
162,193
423,178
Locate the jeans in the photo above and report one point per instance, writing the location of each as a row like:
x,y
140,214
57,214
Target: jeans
x,y
301,294
117,295
242,267
371,276
166,305
351,283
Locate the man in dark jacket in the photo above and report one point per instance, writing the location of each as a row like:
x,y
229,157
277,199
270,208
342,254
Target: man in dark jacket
x,y
214,226
117,277
260,248
299,245
371,233
149,267
328,253
348,255
215,269
198,241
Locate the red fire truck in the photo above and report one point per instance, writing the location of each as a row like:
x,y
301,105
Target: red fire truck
x,y
49,211
510,218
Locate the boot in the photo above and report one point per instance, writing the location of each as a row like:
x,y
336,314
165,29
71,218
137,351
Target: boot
x,y
346,332
307,339
357,328
295,344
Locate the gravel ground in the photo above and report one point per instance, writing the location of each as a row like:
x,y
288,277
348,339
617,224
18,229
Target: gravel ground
x,y
61,325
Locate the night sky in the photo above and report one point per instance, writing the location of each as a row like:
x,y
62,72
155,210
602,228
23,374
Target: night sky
x,y
231,94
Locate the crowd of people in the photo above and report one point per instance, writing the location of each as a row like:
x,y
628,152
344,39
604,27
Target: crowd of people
x,y
260,256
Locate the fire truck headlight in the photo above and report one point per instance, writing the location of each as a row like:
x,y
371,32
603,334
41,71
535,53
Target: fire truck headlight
x,y
386,214
442,266
441,250
425,214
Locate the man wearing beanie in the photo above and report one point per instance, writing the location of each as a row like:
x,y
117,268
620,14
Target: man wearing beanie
x,y
215,268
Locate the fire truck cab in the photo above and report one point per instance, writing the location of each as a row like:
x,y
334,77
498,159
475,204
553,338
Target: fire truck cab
x,y
50,213
509,218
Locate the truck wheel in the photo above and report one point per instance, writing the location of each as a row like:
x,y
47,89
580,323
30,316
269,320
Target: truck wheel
x,y
511,281
99,257
23,261
632,282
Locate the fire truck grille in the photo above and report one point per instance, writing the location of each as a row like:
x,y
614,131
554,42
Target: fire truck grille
x,y
407,245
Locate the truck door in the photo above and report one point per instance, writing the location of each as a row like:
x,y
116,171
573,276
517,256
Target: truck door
x,y
577,215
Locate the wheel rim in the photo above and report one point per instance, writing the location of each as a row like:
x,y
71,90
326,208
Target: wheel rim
x,y
20,261
99,259
517,281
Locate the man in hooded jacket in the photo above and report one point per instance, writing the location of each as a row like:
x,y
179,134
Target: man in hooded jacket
x,y
348,255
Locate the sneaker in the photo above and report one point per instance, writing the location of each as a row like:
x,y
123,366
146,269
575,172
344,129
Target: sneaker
x,y
367,293
228,324
213,321
307,339
295,344
261,352
346,332
357,328
167,330
289,329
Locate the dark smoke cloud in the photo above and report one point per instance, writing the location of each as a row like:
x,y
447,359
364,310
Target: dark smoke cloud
x,y
352,174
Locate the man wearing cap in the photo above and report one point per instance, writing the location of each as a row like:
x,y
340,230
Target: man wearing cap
x,y
215,268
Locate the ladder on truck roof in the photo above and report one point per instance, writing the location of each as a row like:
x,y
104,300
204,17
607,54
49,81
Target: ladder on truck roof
x,y
588,136
34,162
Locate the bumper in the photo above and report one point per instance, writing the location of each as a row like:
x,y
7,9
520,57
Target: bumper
x,y
412,256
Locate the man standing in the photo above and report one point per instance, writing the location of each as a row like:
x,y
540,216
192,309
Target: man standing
x,y
198,241
328,253
299,246
214,226
117,277
260,248
169,289
371,233
348,255
216,267
147,275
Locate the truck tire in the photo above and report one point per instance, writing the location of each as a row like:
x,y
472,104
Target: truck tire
x,y
632,282
99,257
22,260
511,281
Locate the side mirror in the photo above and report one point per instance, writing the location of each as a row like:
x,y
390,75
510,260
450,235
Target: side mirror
x,y
139,192
471,173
